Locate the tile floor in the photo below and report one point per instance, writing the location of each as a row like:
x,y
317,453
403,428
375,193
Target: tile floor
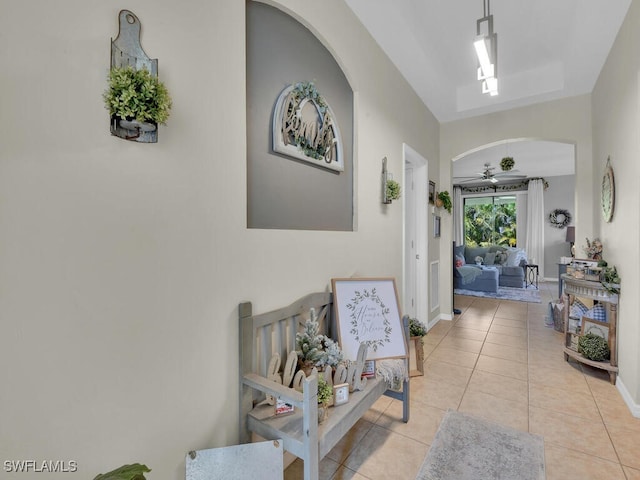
x,y
498,361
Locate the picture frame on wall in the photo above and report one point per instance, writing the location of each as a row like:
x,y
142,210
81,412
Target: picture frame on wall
x,y
432,192
436,226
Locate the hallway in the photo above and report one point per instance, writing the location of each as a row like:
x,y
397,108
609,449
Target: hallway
x,y
498,361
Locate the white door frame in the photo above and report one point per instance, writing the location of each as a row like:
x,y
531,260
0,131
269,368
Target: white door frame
x,y
415,279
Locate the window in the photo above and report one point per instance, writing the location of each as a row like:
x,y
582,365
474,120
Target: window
x,y
490,220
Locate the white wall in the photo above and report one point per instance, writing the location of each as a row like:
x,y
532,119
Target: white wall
x,y
567,120
616,122
121,264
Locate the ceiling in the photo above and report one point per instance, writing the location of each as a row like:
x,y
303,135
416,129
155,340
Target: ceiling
x,y
547,49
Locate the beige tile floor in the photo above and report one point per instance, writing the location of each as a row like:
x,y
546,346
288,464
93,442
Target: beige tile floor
x,y
498,361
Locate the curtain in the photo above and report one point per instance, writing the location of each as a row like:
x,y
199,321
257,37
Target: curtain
x,y
535,224
458,216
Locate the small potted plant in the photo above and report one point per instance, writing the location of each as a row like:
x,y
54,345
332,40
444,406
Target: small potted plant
x,y
507,163
314,349
136,99
325,394
444,200
417,331
416,328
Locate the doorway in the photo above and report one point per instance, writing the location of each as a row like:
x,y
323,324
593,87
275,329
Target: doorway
x,y
415,238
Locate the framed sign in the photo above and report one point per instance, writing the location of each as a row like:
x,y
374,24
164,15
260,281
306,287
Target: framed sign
x,y
304,127
432,192
597,328
367,311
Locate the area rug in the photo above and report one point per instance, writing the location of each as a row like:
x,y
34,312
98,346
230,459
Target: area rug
x,y
470,448
530,295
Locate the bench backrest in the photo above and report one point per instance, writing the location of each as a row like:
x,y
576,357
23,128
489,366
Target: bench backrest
x,y
275,332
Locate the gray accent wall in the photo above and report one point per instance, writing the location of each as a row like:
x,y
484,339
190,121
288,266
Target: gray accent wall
x,y
559,195
282,192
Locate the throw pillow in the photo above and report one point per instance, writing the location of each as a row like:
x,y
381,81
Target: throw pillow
x,y
490,258
460,258
459,263
598,312
501,257
515,256
578,309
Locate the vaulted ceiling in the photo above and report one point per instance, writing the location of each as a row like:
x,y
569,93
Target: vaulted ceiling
x,y
547,49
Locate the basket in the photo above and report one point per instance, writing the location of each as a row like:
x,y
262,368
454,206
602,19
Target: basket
x,y
558,316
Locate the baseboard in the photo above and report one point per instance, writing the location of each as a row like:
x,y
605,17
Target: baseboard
x,y
550,279
634,408
443,316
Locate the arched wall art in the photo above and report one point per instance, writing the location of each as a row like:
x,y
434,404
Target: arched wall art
x,y
304,127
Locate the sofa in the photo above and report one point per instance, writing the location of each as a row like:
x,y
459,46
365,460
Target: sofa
x,y
501,266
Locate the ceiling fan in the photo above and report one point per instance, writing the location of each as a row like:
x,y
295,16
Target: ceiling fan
x,y
487,175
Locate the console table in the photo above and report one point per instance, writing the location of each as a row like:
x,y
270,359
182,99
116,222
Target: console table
x,y
595,291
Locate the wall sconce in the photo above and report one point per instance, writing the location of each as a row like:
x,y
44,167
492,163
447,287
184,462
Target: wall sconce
x,y
390,188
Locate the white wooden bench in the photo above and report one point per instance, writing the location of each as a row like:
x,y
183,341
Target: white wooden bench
x,y
274,332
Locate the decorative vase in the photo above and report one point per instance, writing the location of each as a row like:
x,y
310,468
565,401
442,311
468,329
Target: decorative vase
x,y
417,344
439,203
323,412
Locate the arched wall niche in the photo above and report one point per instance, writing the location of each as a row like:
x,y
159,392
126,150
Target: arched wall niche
x,y
285,192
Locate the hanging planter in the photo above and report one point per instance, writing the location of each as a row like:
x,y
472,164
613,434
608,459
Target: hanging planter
x,y
507,163
444,200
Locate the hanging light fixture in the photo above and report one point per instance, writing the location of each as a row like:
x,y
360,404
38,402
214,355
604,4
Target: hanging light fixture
x,y
486,45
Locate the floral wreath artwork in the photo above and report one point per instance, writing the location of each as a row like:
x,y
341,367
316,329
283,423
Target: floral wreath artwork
x,y
362,327
367,312
559,218
304,127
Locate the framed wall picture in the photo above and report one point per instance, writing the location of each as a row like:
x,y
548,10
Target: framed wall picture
x,y
593,326
436,226
432,192
367,311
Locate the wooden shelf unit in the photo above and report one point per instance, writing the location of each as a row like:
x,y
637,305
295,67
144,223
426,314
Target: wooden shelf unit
x,y
595,291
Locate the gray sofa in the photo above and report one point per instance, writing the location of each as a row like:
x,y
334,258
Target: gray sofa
x,y
502,266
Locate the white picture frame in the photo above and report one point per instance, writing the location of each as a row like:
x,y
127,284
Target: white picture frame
x,y
340,394
367,311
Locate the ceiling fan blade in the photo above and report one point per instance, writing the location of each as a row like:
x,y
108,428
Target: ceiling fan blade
x,y
471,180
510,172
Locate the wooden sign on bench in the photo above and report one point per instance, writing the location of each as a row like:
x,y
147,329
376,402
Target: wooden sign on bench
x,y
367,311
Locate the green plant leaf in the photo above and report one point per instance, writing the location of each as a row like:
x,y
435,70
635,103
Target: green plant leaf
x,y
134,471
137,94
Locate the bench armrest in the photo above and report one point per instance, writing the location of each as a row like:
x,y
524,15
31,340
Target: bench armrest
x,y
287,394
